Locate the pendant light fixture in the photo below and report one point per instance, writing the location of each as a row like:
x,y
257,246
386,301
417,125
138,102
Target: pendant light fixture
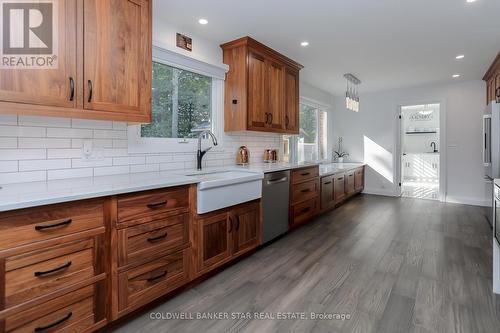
x,y
352,93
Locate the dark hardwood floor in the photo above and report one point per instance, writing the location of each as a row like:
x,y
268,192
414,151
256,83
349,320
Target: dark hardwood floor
x,y
392,264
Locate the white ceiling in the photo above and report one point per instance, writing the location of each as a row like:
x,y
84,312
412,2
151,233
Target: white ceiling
x,y
386,43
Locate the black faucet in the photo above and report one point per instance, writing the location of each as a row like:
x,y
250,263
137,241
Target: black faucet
x,y
433,145
201,153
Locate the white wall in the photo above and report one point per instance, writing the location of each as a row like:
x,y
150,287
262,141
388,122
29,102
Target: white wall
x,y
370,135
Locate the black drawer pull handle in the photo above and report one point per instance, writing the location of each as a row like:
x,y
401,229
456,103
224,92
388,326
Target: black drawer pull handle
x,y
71,89
158,276
230,224
154,239
351,175
91,87
340,178
305,210
50,271
237,223
158,204
287,121
305,174
306,190
43,227
60,321
327,183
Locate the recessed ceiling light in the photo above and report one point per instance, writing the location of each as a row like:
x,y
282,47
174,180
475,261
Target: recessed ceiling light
x,y
304,44
471,1
203,21
456,76
460,56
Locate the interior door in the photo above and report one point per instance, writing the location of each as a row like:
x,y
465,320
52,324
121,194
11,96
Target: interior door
x,y
258,115
291,120
276,90
246,228
214,242
117,56
51,87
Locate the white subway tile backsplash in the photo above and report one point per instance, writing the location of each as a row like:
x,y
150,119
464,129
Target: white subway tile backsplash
x,y
103,134
21,177
22,154
22,131
8,142
39,148
114,170
35,165
145,168
91,163
64,153
8,119
69,133
44,121
129,160
92,124
69,173
9,166
44,143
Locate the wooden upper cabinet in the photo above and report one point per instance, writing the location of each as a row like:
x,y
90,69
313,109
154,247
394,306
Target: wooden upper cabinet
x,y
48,87
275,95
104,65
257,99
291,120
261,88
492,78
117,52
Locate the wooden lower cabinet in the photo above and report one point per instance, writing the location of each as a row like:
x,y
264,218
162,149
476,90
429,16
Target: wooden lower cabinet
x,y
359,179
339,192
327,193
349,183
143,284
304,195
226,234
341,186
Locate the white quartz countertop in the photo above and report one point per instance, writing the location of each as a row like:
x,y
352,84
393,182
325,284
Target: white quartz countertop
x,y
32,194
331,168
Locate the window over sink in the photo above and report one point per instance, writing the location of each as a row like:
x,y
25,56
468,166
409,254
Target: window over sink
x,y
187,98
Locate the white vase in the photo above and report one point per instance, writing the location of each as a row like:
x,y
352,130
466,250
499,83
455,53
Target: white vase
x,y
340,160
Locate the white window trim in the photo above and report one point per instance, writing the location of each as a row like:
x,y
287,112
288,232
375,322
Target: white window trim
x,y
138,144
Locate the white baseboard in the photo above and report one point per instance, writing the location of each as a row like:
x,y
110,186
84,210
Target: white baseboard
x,y
380,191
468,201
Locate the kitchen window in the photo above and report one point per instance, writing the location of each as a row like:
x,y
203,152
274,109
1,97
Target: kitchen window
x,y
187,98
311,143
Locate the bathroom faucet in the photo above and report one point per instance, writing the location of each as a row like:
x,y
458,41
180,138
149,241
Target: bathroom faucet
x,y
433,145
201,153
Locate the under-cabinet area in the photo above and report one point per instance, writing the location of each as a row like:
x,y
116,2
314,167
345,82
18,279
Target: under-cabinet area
x,y
80,265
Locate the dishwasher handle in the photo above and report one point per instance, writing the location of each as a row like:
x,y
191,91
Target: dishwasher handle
x,y
276,181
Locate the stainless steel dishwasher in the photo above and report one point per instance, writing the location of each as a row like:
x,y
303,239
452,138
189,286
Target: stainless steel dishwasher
x,y
275,195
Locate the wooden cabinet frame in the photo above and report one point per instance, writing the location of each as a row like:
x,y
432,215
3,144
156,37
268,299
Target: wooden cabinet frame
x,y
79,107
492,79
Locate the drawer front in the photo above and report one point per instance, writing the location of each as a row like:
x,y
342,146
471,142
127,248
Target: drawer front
x,y
304,174
40,272
30,225
73,312
144,206
305,191
147,282
304,211
140,242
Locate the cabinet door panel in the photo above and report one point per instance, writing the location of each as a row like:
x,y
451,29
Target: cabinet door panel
x,y
257,100
339,188
117,56
359,179
291,120
214,240
48,87
326,192
349,185
276,94
246,221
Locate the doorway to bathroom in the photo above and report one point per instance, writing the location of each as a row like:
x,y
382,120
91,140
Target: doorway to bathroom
x,y
420,151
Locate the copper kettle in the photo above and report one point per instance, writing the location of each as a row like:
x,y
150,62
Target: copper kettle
x,y
242,156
